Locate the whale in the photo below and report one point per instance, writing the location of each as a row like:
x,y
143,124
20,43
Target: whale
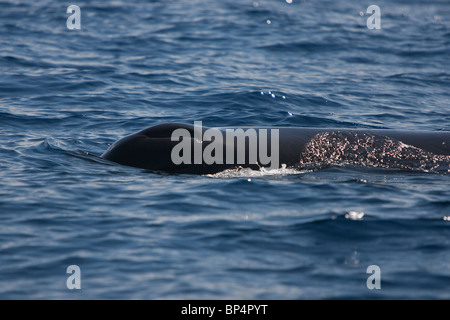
x,y
193,149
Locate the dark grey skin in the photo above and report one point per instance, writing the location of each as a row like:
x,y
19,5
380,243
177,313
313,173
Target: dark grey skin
x,y
151,148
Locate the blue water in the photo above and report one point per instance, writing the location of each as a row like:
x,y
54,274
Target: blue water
x,y
66,95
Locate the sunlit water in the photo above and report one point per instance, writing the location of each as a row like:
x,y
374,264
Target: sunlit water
x,y
66,95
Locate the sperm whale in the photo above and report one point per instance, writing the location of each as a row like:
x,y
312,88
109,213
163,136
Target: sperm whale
x,y
194,149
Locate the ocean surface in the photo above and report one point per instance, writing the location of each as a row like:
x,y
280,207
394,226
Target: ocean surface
x,y
67,95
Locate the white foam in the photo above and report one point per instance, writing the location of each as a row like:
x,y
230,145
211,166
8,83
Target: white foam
x,y
262,172
353,215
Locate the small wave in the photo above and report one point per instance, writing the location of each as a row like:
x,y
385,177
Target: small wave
x,y
308,47
58,146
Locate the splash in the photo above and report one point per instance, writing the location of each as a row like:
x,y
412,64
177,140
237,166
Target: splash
x,y
250,173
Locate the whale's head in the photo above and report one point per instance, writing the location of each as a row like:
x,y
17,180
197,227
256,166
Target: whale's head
x,y
152,149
